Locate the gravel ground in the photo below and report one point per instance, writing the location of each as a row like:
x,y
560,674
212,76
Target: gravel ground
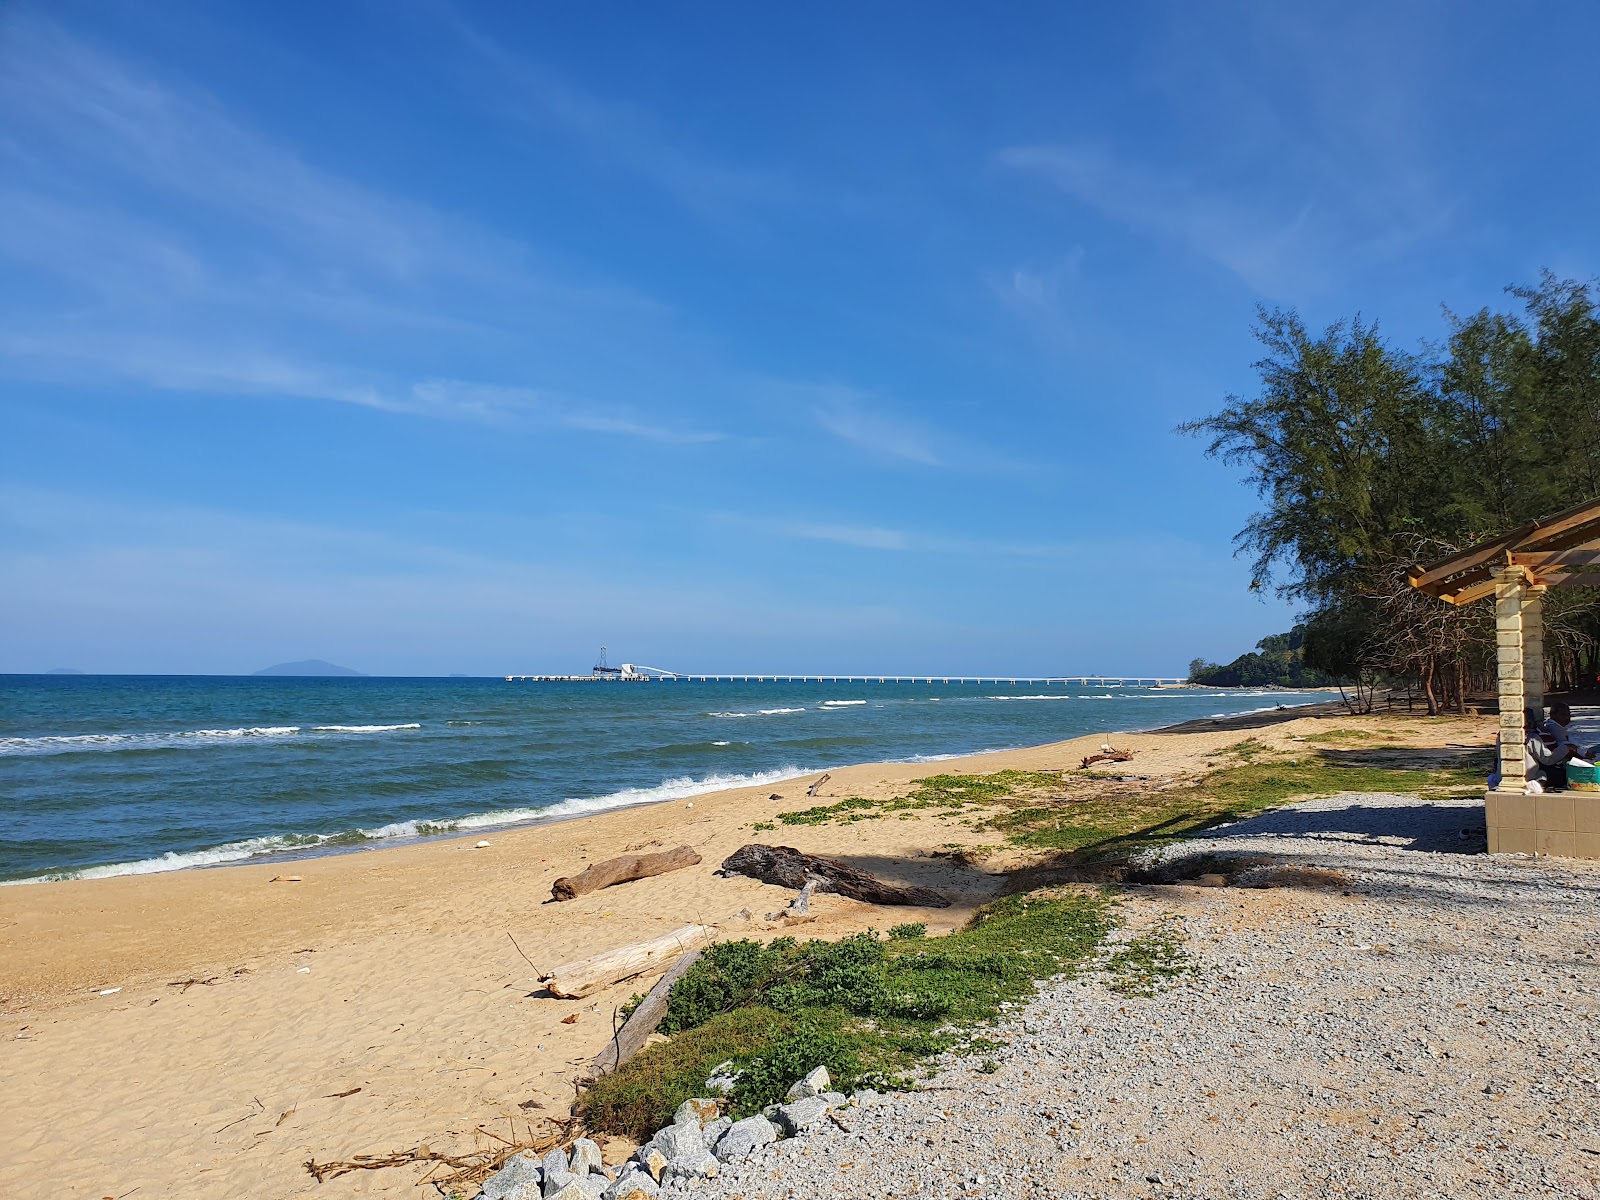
x,y
1412,1018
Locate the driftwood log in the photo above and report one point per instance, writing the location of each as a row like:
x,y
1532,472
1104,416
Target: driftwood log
x,y
1109,754
622,870
576,980
642,1022
787,867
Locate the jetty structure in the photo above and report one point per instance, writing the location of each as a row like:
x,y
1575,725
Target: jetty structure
x,y
637,673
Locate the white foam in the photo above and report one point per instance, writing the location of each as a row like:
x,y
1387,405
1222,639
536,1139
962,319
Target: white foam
x,y
167,740
670,789
364,728
841,703
760,712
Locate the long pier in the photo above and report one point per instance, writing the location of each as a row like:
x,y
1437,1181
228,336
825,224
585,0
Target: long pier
x,y
652,675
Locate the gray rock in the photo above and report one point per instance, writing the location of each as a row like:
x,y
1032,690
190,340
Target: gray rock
x,y
633,1183
556,1173
802,1114
745,1137
696,1112
689,1168
723,1078
518,1179
650,1160
678,1141
813,1084
714,1130
585,1157
594,1186
570,1190
835,1099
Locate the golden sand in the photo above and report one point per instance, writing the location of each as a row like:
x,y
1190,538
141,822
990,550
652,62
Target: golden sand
x,y
247,1011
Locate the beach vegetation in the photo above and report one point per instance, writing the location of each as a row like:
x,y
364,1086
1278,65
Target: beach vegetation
x,y
1148,963
946,793
869,1008
1101,827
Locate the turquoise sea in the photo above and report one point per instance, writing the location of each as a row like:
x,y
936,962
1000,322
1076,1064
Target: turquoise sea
x,y
113,775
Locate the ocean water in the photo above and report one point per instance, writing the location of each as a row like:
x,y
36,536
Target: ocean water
x,y
115,775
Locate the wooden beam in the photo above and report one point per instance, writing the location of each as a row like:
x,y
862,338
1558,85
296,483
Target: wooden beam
x,y
1476,592
1585,555
1577,579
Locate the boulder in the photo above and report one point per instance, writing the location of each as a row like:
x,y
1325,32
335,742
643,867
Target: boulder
x,y
802,1114
633,1183
745,1137
679,1141
723,1078
689,1168
835,1099
697,1112
572,1189
556,1173
518,1179
813,1084
713,1130
651,1161
593,1186
585,1157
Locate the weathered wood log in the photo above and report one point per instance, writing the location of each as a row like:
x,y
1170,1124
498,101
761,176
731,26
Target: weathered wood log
x,y
1108,754
578,979
787,867
622,870
642,1022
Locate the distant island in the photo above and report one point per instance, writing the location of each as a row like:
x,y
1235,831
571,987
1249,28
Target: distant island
x,y
309,666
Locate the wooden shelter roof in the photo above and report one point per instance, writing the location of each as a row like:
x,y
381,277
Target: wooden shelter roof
x,y
1556,551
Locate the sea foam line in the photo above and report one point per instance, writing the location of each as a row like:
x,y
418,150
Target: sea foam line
x,y
677,788
81,742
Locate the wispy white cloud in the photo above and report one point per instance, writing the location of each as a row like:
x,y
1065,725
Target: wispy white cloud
x,y
851,417
891,540
1265,249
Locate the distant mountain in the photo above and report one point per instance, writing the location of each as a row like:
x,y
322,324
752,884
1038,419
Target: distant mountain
x,y
309,666
64,671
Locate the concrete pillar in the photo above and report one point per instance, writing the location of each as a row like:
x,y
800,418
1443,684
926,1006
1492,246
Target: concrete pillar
x,y
1509,595
1533,646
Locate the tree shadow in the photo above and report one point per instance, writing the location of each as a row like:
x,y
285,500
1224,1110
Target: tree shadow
x,y
1409,758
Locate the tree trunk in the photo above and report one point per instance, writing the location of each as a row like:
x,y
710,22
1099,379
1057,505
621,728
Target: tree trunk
x,y
642,1022
622,870
1427,689
787,867
578,979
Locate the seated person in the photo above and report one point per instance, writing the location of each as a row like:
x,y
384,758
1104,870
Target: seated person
x,y
1545,753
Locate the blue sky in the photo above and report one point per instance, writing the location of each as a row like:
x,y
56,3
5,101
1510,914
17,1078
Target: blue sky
x,y
432,337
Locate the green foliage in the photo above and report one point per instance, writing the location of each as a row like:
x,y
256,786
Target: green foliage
x,y
630,1007
1368,458
1278,660
866,1007
1114,826
909,931
950,793
1148,963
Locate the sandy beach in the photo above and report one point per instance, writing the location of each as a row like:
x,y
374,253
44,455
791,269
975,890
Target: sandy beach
x,y
203,1033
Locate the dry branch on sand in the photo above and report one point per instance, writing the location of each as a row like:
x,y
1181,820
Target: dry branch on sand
x,y
787,867
630,1039
622,869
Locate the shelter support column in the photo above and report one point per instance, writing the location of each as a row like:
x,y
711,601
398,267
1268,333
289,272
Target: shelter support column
x,y
1533,645
1510,664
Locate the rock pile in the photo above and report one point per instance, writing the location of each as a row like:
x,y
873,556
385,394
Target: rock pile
x,y
694,1147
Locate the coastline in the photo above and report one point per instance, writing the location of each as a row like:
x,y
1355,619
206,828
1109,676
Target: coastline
x,y
478,825
226,1016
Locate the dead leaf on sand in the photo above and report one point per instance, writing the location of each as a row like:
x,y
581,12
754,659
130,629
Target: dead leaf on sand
x,y
572,1020
341,1095
284,879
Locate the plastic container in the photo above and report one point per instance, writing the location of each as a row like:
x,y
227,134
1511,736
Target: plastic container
x,y
1583,779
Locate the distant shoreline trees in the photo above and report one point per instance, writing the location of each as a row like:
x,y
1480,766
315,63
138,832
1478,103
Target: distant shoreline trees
x,y
1369,458
1277,661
